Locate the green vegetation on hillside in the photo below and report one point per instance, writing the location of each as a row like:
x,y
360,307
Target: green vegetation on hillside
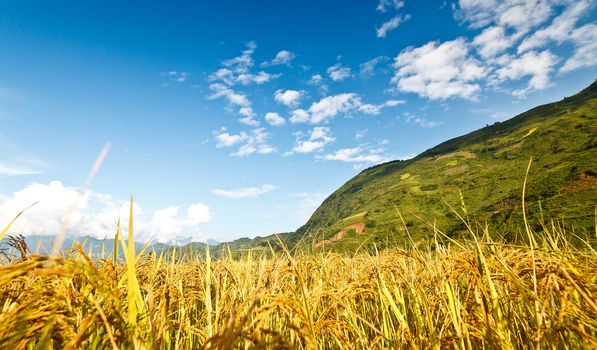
x,y
479,175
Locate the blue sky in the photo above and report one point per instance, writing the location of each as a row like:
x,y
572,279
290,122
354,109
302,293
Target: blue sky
x,y
234,118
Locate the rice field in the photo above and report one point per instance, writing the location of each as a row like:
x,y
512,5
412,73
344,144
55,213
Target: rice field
x,y
466,294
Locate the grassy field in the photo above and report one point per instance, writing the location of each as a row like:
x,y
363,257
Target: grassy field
x,y
442,293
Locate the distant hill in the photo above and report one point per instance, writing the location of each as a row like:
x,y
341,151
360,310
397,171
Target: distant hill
x,y
43,244
485,170
487,167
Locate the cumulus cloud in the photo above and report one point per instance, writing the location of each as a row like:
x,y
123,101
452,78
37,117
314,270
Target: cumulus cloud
x,y
238,70
95,214
225,139
299,116
283,57
518,15
391,25
559,30
289,98
359,154
515,38
338,72
248,143
318,138
330,106
585,42
537,65
564,28
274,119
231,78
439,70
198,214
368,68
169,224
223,91
493,41
316,79
248,116
247,192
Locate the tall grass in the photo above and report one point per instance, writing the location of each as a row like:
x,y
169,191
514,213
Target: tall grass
x,y
446,294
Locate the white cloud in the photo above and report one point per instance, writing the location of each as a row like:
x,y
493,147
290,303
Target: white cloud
x,y
339,73
248,116
89,213
248,142
537,65
299,116
255,142
245,60
384,5
225,139
221,90
535,24
316,79
330,106
585,42
368,68
247,192
166,221
198,214
169,225
559,30
244,78
283,57
274,119
239,70
358,154
492,41
391,25
289,98
439,70
318,138
518,15
54,202
259,78
372,109
420,121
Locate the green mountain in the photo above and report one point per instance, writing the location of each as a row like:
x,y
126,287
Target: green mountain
x,y
478,176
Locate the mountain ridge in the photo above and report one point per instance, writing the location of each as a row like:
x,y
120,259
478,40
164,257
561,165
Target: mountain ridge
x,y
480,173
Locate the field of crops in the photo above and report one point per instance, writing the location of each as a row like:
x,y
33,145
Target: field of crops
x,y
446,294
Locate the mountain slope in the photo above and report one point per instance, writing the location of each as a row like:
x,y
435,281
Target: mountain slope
x,y
487,167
